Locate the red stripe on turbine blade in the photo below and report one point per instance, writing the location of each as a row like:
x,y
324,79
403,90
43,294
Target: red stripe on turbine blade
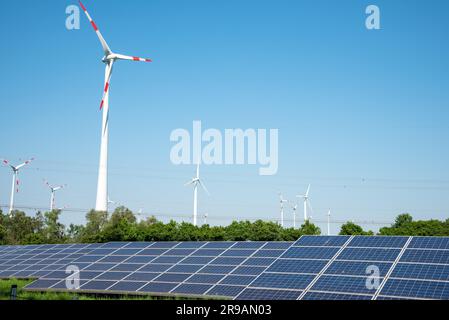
x,y
94,25
101,104
82,6
136,58
106,87
148,60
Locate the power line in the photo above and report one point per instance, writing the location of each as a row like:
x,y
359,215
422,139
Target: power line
x,y
211,217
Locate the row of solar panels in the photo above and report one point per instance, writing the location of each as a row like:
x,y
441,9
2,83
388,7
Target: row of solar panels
x,y
314,267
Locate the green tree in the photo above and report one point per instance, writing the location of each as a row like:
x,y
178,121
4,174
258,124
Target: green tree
x,y
350,229
96,221
309,228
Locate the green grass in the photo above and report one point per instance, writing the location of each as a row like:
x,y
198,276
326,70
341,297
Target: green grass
x,y
5,291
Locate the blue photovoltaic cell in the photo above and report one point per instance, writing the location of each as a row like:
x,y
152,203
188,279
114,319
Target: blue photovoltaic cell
x,y
355,268
369,254
429,243
97,285
214,269
127,286
421,271
99,266
251,271
164,245
343,284
102,252
334,296
228,261
238,253
142,276
379,241
152,252
140,259
297,266
179,252
282,281
277,245
155,267
194,289
186,268
259,262
114,259
310,253
205,278
266,294
138,245
167,259
269,253
426,256
321,241
225,291
197,260
218,245
115,245
158,287
42,284
249,245
172,277
238,280
208,252
126,252
416,289
127,267
190,245
113,276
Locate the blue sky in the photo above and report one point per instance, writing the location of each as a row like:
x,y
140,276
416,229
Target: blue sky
x,y
362,115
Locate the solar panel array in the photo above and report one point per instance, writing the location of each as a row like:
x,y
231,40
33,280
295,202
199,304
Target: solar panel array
x,y
357,268
33,261
220,269
312,268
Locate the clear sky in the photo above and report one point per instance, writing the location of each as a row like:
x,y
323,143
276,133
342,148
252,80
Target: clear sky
x,y
362,114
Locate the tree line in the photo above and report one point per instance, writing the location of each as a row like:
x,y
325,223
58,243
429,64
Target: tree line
x,y
122,225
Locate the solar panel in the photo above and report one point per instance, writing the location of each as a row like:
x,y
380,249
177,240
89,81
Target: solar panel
x,y
314,267
426,256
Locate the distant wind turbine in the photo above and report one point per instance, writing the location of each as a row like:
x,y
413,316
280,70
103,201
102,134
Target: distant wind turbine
x,y
282,201
108,59
306,200
329,222
195,182
15,180
295,208
53,190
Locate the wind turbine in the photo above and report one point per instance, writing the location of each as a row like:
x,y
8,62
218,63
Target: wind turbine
x,y
282,201
195,182
294,207
329,222
306,200
53,190
15,180
109,58
205,218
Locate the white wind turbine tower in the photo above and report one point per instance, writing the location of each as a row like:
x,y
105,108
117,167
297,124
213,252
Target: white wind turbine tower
x,y
108,59
195,182
15,180
294,207
282,201
306,200
53,190
329,222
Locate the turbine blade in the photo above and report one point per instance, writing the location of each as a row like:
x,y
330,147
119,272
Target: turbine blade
x,y
123,57
24,164
204,187
106,49
308,189
107,80
189,183
310,206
